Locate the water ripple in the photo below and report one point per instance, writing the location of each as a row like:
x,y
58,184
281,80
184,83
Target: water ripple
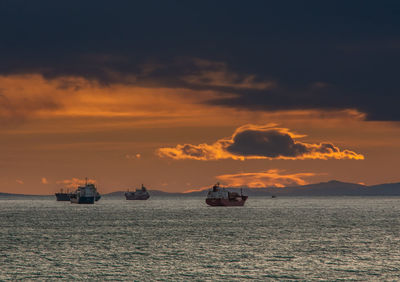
x,y
343,238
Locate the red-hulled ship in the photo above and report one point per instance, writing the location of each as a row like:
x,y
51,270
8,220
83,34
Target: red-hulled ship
x,y
221,197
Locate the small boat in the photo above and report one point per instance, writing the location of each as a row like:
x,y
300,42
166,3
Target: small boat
x,y
218,196
139,194
85,194
61,196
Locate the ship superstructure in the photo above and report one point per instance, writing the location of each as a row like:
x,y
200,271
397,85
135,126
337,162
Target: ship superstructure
x,y
219,196
85,194
139,194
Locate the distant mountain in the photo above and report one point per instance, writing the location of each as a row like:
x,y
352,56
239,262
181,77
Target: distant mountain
x,y
11,195
115,194
389,189
151,192
331,188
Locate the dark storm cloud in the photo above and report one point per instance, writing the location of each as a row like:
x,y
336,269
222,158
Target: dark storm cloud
x,y
277,143
271,143
272,55
259,142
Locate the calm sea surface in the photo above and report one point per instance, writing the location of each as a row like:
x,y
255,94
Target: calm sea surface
x,y
349,238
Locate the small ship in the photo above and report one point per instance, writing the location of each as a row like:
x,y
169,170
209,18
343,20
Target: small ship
x,y
61,196
218,196
66,197
85,194
140,194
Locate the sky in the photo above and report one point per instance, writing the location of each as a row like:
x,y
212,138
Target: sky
x,y
178,95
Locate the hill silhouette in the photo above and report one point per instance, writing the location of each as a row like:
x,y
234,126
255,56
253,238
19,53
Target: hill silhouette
x,y
330,188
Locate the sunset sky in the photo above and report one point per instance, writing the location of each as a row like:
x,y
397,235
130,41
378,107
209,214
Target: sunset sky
x,y
178,95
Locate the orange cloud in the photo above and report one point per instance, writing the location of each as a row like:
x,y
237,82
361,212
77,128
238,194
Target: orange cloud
x,y
217,74
82,105
74,182
75,104
269,178
132,157
258,142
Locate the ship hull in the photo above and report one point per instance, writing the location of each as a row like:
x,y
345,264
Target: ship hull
x,y
218,202
128,197
82,200
63,197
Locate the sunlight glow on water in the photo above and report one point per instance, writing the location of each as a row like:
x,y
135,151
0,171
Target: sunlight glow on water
x,y
183,239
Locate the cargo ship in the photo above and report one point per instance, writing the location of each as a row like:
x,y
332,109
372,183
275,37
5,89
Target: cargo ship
x,y
218,196
65,197
85,194
139,194
61,196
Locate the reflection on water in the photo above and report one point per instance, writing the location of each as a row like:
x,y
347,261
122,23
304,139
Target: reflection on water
x,y
184,239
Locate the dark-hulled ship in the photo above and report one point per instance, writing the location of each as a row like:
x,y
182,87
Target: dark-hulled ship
x,y
62,196
85,194
139,194
218,196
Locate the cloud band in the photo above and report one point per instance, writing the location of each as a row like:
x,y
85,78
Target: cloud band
x,y
258,142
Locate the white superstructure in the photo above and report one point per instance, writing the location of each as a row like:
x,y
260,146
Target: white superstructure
x,y
218,193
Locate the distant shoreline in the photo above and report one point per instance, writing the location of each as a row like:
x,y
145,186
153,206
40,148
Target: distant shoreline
x,y
331,188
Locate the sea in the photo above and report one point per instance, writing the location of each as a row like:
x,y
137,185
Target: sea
x,y
183,239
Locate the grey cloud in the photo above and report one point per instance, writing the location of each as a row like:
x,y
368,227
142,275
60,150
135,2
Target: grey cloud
x,y
258,142
271,55
271,143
